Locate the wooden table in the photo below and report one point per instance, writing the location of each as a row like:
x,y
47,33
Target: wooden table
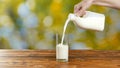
x,y
46,59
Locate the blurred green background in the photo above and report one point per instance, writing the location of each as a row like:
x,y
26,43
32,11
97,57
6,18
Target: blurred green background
x,y
33,24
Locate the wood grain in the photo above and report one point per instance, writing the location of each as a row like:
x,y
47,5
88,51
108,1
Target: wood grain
x,y
46,59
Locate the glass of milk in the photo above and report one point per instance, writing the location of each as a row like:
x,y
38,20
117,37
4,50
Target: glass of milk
x,y
62,53
62,50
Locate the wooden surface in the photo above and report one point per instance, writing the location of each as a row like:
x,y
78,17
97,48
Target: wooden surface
x,y
46,59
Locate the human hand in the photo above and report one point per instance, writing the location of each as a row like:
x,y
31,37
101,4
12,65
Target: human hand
x,y
80,8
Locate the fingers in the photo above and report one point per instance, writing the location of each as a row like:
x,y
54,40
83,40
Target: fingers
x,y
81,7
79,10
80,13
76,8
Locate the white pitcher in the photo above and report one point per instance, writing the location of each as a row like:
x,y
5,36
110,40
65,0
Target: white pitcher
x,y
91,20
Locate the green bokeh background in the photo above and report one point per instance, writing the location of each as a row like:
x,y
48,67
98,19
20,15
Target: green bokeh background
x,y
50,16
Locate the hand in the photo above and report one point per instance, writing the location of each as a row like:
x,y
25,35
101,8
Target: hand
x,y
80,8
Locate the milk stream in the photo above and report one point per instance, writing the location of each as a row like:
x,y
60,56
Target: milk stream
x,y
65,26
61,49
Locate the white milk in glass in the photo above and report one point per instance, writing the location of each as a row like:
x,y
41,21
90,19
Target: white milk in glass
x,y
62,53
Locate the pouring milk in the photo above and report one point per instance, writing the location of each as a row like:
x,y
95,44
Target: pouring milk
x,y
91,21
